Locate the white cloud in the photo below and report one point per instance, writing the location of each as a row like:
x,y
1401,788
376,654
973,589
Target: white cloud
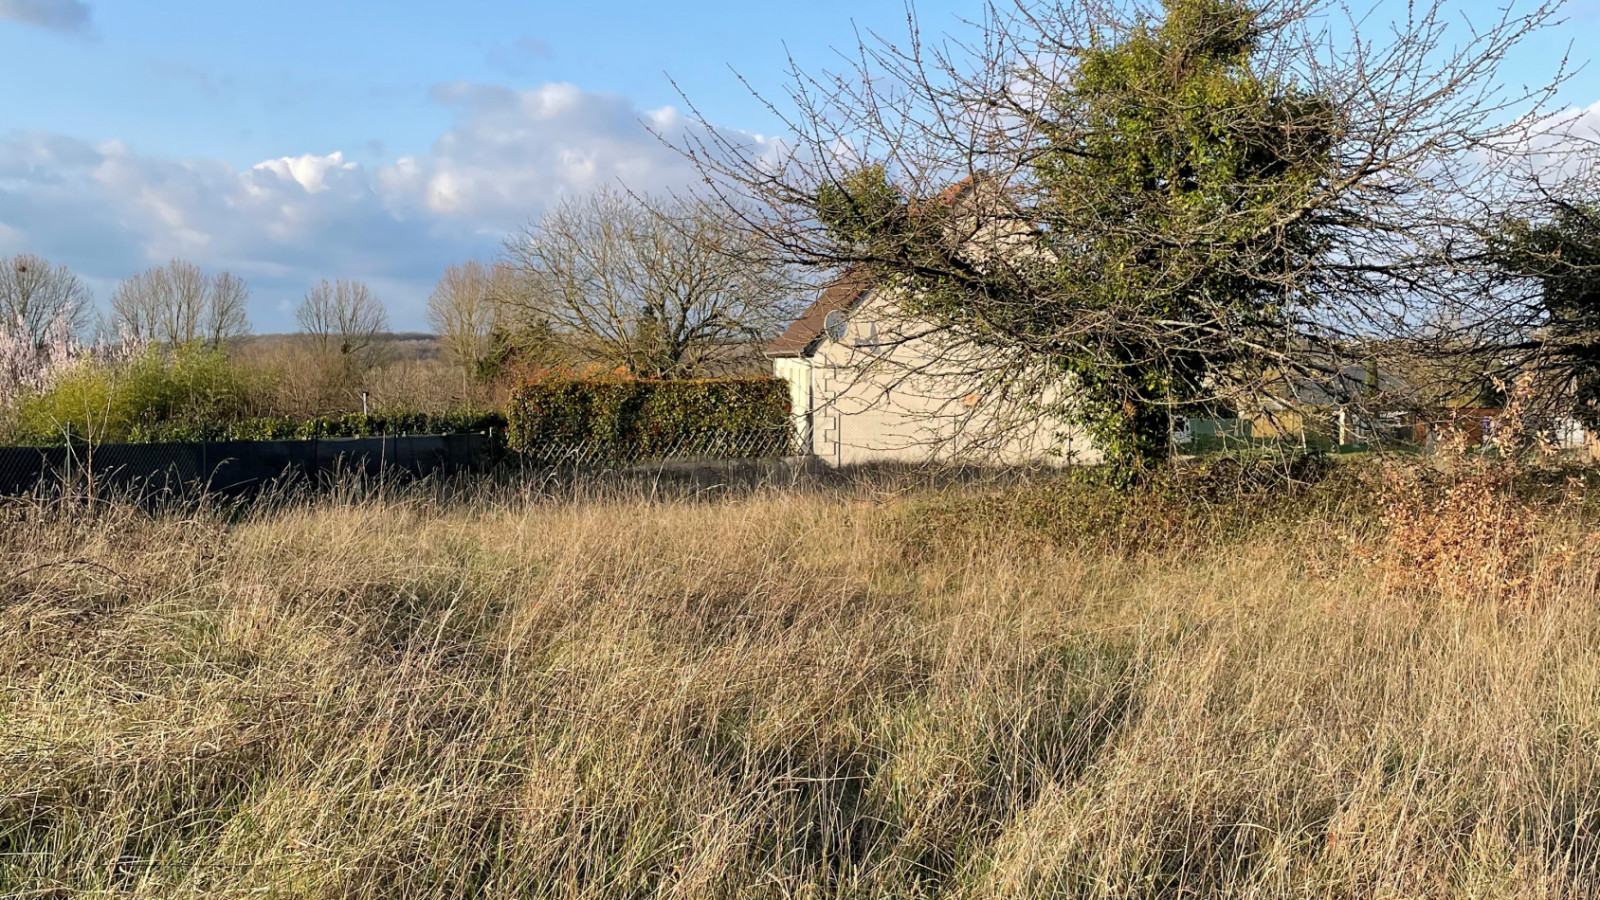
x,y
1559,149
508,147
1566,143
286,222
57,15
309,171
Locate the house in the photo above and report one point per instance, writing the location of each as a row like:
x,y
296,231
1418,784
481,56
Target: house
x,y
1343,404
870,384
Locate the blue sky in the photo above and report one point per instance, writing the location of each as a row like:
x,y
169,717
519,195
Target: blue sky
x,y
383,140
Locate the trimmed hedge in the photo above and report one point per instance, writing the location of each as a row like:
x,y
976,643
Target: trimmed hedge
x,y
623,420
288,429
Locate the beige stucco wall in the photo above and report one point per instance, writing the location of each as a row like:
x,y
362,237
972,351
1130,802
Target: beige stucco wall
x,y
886,394
797,371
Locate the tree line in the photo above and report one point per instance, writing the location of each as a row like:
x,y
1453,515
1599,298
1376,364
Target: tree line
x,y
176,304
661,287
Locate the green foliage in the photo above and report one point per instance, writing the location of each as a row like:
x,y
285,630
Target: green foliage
x,y
630,419
1563,254
283,428
110,402
1191,506
192,395
863,206
1172,191
1205,174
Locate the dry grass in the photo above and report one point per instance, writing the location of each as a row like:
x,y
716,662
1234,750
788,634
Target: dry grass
x,y
795,693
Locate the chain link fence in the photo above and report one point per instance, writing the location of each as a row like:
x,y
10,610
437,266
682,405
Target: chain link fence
x,y
770,444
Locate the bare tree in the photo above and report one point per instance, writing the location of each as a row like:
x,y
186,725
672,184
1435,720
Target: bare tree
x,y
1220,198
464,311
669,288
345,322
180,304
226,313
37,298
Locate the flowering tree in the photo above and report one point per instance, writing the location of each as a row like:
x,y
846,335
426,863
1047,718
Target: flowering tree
x,y
31,357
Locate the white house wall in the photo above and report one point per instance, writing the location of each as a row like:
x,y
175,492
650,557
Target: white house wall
x,y
797,371
900,403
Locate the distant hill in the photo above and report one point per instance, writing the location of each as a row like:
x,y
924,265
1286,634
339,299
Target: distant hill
x,y
408,345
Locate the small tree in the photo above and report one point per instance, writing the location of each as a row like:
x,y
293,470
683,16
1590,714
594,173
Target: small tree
x,y
345,322
464,311
38,299
179,304
667,288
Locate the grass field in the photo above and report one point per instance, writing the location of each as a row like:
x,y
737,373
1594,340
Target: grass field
x,y
804,691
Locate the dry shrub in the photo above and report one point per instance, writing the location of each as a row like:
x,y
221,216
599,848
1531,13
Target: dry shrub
x,y
406,377
1188,508
1477,523
1463,536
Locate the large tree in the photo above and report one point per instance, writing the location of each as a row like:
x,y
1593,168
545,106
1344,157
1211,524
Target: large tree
x,y
37,298
1159,209
667,288
179,304
464,310
345,323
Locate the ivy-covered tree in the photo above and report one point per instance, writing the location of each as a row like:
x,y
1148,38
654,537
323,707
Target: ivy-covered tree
x,y
1561,255
1125,213
1161,230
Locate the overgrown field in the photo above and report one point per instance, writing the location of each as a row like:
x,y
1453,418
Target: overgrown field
x,y
1385,685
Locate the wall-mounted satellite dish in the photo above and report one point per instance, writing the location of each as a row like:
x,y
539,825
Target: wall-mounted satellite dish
x,y
835,325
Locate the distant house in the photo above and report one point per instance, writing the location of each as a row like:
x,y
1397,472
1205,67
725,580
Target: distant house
x,y
1346,404
868,384
1360,404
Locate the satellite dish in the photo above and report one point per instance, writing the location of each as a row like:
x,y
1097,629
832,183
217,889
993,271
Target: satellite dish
x,y
835,325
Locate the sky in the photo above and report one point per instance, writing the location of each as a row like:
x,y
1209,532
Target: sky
x,y
383,141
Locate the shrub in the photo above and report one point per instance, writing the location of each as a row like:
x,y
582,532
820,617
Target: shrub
x,y
1187,507
621,419
109,401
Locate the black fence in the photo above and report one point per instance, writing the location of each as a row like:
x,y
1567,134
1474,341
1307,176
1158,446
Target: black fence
x,y
238,467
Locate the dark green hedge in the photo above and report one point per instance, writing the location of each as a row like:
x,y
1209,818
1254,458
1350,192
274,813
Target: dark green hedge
x,y
288,429
606,420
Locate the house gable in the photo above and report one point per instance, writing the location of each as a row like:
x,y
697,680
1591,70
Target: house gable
x,y
805,334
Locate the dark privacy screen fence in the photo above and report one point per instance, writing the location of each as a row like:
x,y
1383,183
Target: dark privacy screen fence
x,y
237,466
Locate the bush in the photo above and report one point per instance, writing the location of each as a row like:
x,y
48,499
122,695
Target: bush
x,y
191,394
111,401
619,420
1181,508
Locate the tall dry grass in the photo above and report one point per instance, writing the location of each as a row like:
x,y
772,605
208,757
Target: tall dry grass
x,y
787,693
